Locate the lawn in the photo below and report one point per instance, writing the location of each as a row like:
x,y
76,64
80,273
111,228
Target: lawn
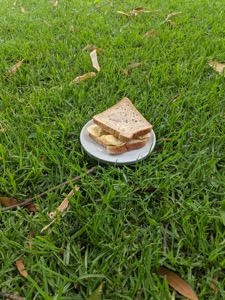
x,y
125,222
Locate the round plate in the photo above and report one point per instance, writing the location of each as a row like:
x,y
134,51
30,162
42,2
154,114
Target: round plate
x,y
99,152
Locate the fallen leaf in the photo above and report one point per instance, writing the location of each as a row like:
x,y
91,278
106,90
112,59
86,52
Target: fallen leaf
x,y
89,48
136,11
64,203
22,9
21,268
222,211
61,208
97,293
72,28
10,296
54,2
31,208
94,60
152,11
171,23
150,189
150,33
135,65
217,66
15,67
213,286
6,201
83,77
30,239
131,66
123,13
139,10
93,47
178,284
173,15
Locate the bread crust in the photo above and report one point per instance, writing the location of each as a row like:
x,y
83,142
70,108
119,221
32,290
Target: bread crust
x,y
133,145
115,118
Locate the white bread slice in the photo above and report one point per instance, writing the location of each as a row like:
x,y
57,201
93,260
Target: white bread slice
x,y
123,121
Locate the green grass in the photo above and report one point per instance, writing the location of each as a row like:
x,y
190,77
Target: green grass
x,y
113,231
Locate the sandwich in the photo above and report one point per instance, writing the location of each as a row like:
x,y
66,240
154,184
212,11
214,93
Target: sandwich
x,y
120,128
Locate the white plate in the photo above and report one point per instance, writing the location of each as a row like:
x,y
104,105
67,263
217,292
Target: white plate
x,y
99,152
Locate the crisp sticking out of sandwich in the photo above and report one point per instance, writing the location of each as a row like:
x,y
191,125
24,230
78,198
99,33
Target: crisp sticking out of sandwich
x,y
123,121
120,128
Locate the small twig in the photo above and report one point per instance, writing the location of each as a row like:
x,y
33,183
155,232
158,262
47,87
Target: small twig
x,y
10,296
173,99
30,200
165,239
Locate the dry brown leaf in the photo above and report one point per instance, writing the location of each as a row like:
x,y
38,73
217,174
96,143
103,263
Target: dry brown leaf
x,y
171,23
89,48
64,203
21,268
213,286
135,65
123,13
54,2
217,66
72,28
10,296
152,11
136,11
31,208
61,208
6,201
14,68
150,33
173,15
30,239
78,79
94,60
178,284
139,10
131,66
22,9
93,47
